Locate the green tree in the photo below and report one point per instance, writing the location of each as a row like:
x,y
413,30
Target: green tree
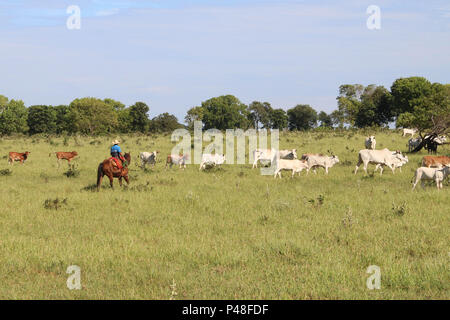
x,y
63,121
260,114
428,111
302,117
349,102
41,119
92,116
138,117
376,107
164,123
407,92
3,102
13,117
124,121
325,120
278,119
338,119
116,105
225,112
194,114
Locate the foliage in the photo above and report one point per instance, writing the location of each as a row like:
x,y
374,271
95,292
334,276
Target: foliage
x,y
92,116
194,114
41,119
225,112
302,117
164,123
325,119
138,117
13,117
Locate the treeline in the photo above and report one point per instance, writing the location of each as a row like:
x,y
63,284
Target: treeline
x,y
90,116
410,102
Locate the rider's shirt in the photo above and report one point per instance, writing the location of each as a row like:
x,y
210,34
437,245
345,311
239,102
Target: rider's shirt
x,y
115,148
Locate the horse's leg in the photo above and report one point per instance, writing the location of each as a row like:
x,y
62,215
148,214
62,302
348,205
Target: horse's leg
x,y
127,179
120,181
111,180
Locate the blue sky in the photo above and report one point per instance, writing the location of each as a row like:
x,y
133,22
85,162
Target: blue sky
x,y
175,54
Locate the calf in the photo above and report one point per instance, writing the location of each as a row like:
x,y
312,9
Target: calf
x,y
269,154
398,161
211,160
148,157
370,143
437,175
16,156
177,159
294,165
321,161
435,161
64,156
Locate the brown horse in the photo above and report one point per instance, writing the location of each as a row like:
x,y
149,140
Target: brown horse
x,y
106,168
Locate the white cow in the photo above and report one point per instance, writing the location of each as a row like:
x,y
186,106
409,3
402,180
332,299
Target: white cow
x,y
269,154
177,159
383,157
211,160
371,143
148,157
406,131
294,165
398,161
413,143
437,175
326,162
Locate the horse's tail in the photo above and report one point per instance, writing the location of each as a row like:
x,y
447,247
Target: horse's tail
x,y
99,174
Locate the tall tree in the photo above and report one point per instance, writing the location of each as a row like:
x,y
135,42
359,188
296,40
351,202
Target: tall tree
x,y
325,120
164,123
302,117
92,116
63,121
225,112
260,114
194,114
406,93
13,117
41,119
349,101
278,119
375,108
138,117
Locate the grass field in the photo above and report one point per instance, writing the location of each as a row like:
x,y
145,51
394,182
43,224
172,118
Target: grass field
x,y
227,233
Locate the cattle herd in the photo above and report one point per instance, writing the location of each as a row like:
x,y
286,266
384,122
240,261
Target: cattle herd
x,y
435,168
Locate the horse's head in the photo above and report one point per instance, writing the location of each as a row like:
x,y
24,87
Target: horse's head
x,y
127,157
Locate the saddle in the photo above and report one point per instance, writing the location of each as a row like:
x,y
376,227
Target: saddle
x,y
116,163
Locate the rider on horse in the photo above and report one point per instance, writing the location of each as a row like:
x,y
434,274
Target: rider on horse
x,y
116,152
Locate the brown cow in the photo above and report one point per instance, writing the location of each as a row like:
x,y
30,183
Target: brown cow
x,y
16,156
64,156
435,161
